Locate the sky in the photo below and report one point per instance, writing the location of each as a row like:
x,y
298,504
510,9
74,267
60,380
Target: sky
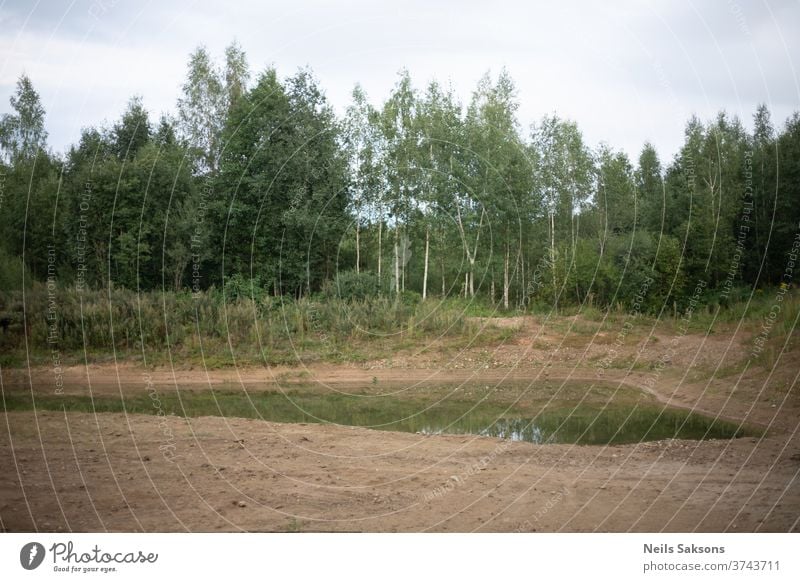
x,y
627,72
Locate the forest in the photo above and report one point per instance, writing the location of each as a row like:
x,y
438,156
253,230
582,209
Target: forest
x,y
255,186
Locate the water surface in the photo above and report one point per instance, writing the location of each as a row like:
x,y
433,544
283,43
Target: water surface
x,y
547,422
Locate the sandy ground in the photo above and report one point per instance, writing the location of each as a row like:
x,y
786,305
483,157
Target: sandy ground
x,y
83,472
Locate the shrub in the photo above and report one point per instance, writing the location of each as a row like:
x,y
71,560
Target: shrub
x,y
350,285
12,270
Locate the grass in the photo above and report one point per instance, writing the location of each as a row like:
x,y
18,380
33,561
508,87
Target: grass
x,y
218,331
157,327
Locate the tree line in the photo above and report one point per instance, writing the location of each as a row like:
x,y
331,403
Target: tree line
x,y
257,183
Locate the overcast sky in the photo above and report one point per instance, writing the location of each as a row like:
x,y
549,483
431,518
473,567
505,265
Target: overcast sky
x,y
627,72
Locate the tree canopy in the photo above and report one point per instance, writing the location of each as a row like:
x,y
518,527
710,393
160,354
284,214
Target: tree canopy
x,y
258,178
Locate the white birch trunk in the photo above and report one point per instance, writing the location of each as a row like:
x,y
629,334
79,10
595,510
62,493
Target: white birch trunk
x,y
358,248
380,249
553,255
505,280
396,261
425,272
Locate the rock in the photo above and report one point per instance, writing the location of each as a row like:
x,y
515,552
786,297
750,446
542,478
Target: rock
x,y
240,504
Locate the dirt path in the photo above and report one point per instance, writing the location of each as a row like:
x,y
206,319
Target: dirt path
x,y
130,473
79,472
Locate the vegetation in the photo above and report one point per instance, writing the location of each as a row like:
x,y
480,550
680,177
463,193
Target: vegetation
x,y
219,330
256,216
567,422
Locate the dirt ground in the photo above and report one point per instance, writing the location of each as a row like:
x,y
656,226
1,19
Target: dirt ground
x,y
116,472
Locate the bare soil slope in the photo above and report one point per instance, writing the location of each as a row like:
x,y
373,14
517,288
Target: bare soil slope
x,y
84,472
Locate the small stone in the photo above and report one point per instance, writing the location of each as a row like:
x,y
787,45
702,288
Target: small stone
x,y
240,504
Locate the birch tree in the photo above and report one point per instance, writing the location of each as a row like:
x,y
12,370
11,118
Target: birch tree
x,y
399,127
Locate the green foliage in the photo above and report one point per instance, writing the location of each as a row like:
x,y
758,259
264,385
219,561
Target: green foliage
x,y
243,322
13,272
209,95
352,285
238,287
130,206
283,207
259,194
132,132
22,133
636,271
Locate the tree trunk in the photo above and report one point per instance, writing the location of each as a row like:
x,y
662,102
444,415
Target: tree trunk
x,y
178,281
358,248
425,272
396,261
522,299
380,249
553,258
471,277
444,284
505,280
404,260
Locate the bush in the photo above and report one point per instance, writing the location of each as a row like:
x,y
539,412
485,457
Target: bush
x,y
240,287
349,285
156,325
410,298
11,272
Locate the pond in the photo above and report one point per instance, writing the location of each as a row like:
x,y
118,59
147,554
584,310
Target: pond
x,y
592,423
614,425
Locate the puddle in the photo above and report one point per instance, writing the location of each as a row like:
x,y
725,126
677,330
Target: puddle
x,y
614,425
568,422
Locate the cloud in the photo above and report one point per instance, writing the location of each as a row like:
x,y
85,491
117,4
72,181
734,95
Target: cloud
x,y
625,72
85,83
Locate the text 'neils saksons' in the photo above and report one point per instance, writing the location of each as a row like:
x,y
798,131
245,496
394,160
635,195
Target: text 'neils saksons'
x,y
682,549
